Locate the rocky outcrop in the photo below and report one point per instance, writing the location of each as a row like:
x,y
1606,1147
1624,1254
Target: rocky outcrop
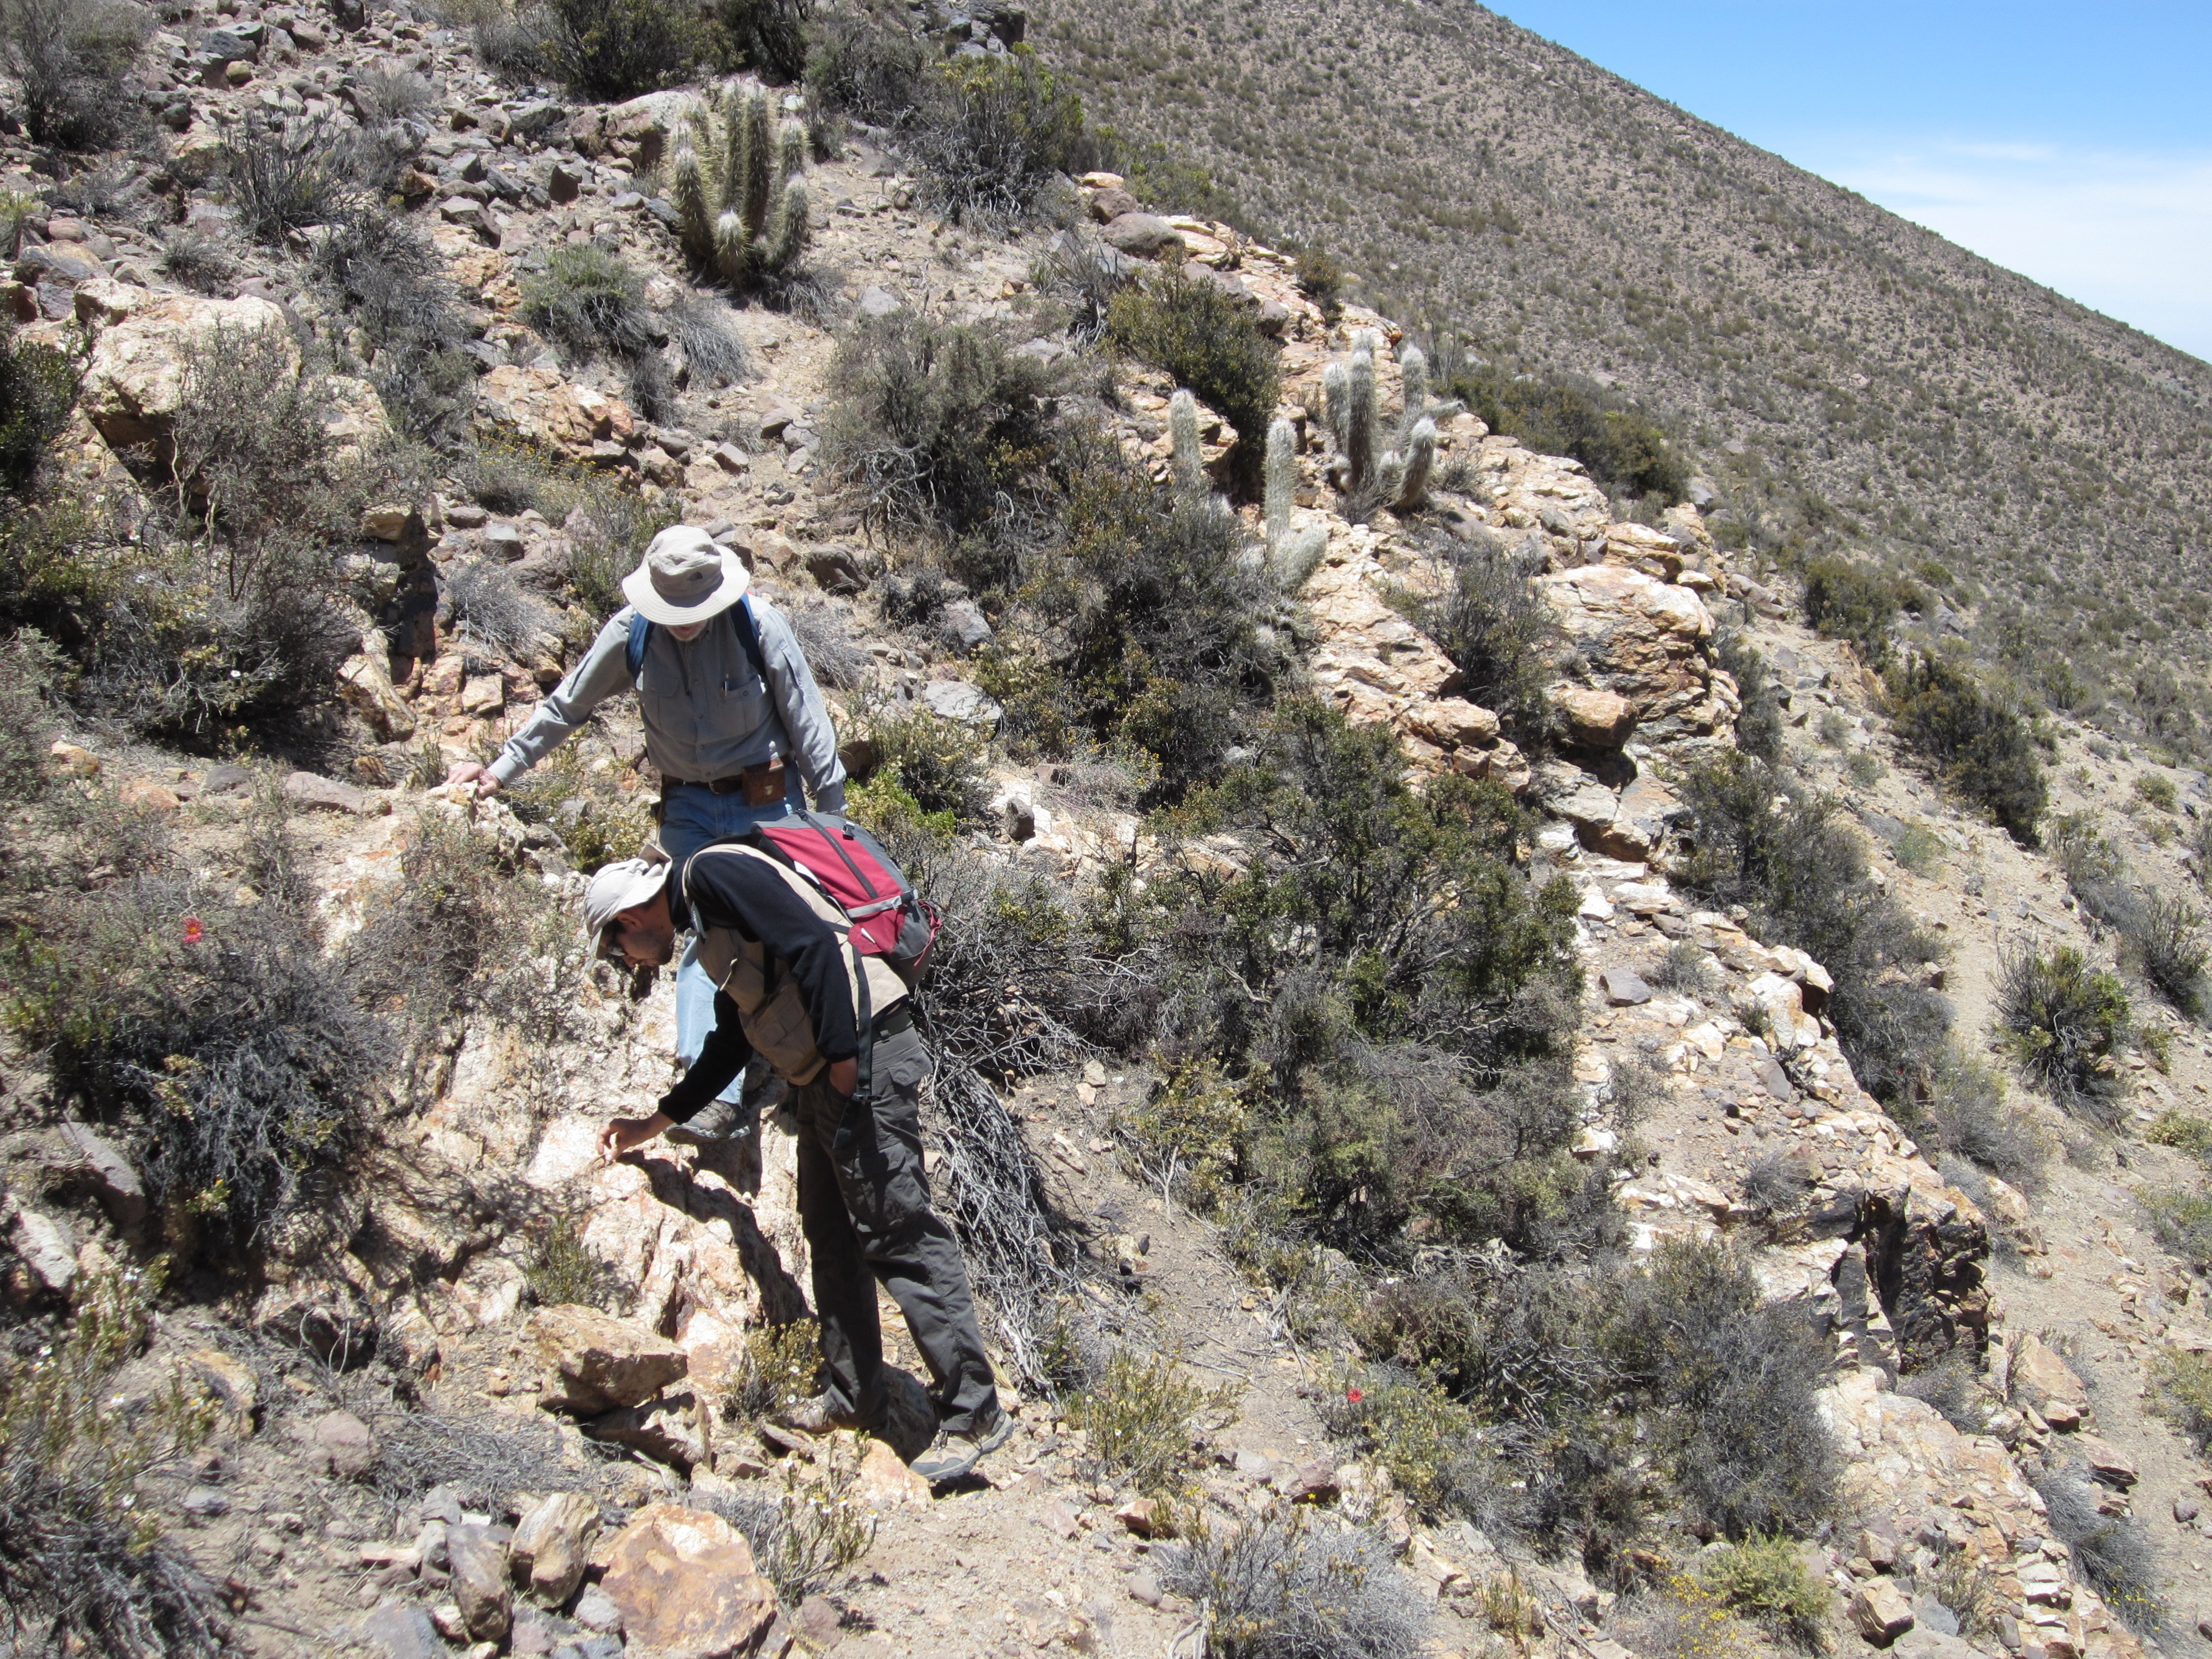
x,y
134,378
685,1582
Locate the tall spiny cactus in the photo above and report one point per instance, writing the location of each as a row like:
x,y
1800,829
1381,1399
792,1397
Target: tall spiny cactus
x,y
1359,419
742,205
1183,432
1291,559
1419,461
1280,478
1335,402
1413,372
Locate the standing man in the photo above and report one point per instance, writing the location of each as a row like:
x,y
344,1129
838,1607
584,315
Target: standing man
x,y
733,722
837,1025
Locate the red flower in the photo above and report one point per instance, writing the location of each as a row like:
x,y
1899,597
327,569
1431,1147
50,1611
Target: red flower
x,y
1354,1395
193,930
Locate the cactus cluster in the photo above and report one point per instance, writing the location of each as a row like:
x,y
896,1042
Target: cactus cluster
x,y
1292,559
738,189
1397,476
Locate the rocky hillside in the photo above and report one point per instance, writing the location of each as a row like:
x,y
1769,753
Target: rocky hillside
x,y
1850,381
1430,1191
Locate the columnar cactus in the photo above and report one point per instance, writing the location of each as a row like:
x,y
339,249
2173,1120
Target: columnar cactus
x,y
743,204
1182,431
1359,419
1280,478
1420,458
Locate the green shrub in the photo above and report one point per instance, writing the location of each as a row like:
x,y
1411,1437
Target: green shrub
x,y
1142,1413
560,1270
392,282
2167,940
767,35
282,181
1406,1422
71,60
1280,1588
1160,624
612,50
37,385
588,300
993,133
2184,1133
2066,1025
1191,1138
1977,737
1502,637
1392,1039
1759,839
1759,727
939,428
2182,1221
1321,279
228,1046
2155,789
1208,343
2199,844
1625,449
29,668
2181,1392
81,1561
1856,602
776,1370
1767,1579
865,61
938,763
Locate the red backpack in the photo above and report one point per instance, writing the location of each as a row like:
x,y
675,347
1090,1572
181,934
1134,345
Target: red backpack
x,y
889,918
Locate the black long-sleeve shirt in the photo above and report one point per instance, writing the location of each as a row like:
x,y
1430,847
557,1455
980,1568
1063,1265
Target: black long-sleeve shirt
x,y
745,894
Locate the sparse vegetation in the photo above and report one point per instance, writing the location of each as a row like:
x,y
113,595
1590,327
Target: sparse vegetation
x,y
1501,636
1206,341
1625,449
992,134
777,1368
2113,1553
1141,1414
82,1564
1277,1588
1977,737
1856,602
1765,1579
71,63
2067,1024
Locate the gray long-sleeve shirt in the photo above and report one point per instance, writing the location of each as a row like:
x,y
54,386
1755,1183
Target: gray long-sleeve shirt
x,y
706,712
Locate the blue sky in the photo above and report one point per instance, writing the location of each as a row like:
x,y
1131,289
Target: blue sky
x,y
2072,144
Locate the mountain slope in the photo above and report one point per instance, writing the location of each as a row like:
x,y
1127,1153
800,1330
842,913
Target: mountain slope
x,y
1853,381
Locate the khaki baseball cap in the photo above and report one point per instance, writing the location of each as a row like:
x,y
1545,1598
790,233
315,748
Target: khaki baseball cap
x,y
617,887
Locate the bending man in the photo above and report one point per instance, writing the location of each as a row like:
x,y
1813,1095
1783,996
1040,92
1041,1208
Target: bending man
x,y
790,990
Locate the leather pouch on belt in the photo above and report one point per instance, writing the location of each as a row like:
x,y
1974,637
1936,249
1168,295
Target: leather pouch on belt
x,y
764,785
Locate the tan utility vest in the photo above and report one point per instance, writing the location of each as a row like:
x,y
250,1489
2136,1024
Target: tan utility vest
x,y
770,1007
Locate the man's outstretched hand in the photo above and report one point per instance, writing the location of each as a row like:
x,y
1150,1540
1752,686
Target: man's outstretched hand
x,y
470,772
625,1134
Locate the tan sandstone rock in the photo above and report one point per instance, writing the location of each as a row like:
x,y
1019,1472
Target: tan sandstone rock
x,y
592,1363
686,1585
134,377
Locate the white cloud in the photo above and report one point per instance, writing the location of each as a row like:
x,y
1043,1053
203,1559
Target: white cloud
x,y
2127,233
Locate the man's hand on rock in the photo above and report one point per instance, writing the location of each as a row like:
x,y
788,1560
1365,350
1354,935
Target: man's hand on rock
x,y
626,1135
469,772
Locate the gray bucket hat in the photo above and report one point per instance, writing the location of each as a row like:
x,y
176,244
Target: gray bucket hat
x,y
684,577
619,887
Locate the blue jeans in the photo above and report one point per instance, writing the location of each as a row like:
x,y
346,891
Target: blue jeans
x,y
691,818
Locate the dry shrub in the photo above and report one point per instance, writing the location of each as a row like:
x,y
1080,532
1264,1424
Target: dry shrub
x,y
83,1567
2113,1553
1142,1415
2066,1023
1281,1588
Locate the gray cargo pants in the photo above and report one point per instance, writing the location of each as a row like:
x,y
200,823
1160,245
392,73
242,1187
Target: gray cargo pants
x,y
867,1213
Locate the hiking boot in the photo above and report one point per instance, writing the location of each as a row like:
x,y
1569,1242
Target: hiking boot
x,y
716,1121
819,1415
957,1452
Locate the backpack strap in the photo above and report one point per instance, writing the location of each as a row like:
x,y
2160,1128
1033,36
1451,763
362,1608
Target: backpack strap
x,y
633,653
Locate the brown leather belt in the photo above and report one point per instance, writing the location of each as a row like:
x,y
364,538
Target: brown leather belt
x,y
760,785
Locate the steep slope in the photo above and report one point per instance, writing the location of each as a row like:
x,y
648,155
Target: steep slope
x,y
1852,380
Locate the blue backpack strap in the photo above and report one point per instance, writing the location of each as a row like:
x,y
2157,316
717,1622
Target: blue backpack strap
x,y
640,629
749,632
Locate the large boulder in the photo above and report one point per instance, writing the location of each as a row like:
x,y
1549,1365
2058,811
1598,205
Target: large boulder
x,y
552,1545
685,1582
1648,642
134,380
591,1363
538,404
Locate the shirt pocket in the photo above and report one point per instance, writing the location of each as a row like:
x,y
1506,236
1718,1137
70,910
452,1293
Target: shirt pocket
x,y
744,705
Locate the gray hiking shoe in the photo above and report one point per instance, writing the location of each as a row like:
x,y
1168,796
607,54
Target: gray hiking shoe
x,y
715,1121
816,1416
956,1454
